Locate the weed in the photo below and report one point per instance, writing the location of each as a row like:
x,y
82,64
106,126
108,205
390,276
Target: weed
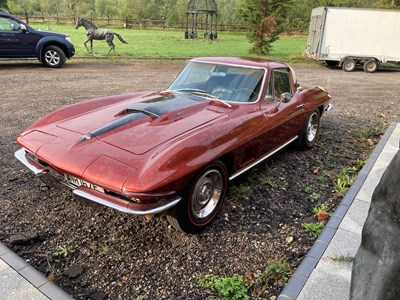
x,y
368,132
51,270
349,170
329,158
313,228
265,177
272,183
285,185
323,207
359,163
104,250
233,287
239,191
275,273
344,179
343,258
64,250
314,196
322,179
308,189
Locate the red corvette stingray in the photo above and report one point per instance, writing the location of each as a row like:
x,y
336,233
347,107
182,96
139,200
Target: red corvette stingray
x,y
175,151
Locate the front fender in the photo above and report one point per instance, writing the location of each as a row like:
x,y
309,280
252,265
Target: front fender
x,y
52,40
170,167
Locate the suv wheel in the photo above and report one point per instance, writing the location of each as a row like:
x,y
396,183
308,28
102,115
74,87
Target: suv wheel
x,y
53,57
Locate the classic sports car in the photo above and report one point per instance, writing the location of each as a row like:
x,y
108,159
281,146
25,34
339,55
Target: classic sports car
x,y
175,151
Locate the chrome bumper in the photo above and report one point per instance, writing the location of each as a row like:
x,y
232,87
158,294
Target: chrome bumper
x,y
328,107
122,205
32,165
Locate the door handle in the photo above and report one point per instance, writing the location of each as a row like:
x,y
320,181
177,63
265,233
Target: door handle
x,y
301,106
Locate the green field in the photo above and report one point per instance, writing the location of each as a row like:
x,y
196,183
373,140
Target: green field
x,y
171,44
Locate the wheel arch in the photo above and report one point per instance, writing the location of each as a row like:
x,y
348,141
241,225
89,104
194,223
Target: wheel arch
x,y
321,110
228,160
50,42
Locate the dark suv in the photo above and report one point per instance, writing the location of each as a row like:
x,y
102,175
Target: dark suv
x,y
20,41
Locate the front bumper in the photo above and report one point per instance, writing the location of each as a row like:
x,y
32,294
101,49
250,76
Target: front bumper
x,y
328,107
111,201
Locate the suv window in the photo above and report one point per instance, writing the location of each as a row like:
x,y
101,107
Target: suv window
x,y
278,84
7,24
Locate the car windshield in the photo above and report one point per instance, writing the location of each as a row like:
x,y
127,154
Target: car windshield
x,y
224,82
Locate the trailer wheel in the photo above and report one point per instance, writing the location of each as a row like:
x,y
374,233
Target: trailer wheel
x,y
370,66
349,65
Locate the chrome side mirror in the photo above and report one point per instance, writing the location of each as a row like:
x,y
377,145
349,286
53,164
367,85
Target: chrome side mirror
x,y
286,97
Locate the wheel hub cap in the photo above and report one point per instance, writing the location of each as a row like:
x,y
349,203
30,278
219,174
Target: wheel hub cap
x,y
312,127
206,194
52,57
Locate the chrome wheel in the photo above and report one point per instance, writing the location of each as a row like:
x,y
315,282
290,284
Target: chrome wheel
x,y
202,200
310,131
52,57
312,127
206,194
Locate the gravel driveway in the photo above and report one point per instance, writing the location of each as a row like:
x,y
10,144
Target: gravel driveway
x,y
94,252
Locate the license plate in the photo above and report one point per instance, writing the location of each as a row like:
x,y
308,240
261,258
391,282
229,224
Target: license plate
x,y
79,182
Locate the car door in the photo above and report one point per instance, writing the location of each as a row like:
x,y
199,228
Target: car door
x,y
15,42
284,119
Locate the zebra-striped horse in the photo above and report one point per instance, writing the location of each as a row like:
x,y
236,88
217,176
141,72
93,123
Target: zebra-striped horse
x,y
93,33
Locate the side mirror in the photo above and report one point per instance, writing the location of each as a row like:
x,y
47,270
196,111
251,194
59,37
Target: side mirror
x,y
286,97
23,28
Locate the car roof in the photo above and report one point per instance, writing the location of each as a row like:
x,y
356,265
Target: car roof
x,y
243,61
4,13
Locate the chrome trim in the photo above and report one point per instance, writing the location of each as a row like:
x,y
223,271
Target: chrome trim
x,y
262,158
96,196
34,166
328,107
239,66
144,111
123,205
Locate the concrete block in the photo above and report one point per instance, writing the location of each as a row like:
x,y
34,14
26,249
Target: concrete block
x,y
355,217
343,243
329,281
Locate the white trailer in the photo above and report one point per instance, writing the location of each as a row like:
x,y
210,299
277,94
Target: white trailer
x,y
348,37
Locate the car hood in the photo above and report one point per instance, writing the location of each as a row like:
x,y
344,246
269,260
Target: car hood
x,y
49,33
139,125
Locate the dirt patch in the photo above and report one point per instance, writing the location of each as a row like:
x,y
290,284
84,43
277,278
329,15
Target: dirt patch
x,y
91,251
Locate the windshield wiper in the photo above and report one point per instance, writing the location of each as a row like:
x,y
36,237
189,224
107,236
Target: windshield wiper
x,y
197,92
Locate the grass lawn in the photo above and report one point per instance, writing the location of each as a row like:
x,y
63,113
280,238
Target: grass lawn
x,y
171,43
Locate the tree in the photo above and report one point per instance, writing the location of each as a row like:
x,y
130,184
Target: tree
x,y
3,4
26,7
264,20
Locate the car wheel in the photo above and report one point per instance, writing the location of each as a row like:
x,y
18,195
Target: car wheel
x,y
370,66
310,131
202,200
349,65
53,57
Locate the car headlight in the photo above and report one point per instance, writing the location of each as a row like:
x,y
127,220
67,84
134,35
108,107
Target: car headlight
x,y
68,39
